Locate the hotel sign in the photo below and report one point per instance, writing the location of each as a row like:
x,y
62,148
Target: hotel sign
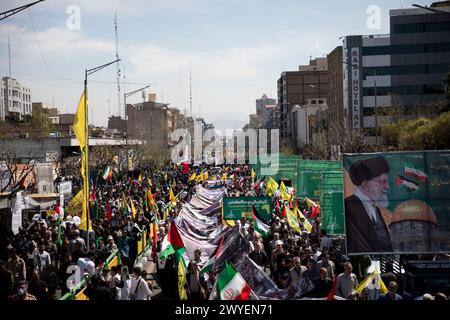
x,y
355,89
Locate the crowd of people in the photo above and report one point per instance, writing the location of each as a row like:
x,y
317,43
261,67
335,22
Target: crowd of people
x,y
37,263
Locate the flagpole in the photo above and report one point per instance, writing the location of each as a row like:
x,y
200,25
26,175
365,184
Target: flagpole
x,y
86,164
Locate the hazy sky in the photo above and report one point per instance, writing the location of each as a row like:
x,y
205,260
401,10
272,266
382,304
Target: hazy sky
x,y
237,49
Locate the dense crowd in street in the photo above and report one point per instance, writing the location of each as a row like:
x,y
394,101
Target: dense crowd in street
x,y
35,261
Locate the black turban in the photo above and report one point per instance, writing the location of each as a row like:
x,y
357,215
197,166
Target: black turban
x,y
364,170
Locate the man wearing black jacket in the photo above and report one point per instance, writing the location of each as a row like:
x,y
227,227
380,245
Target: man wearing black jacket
x,y
365,226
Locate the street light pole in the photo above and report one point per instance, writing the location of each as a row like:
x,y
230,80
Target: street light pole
x,y
85,149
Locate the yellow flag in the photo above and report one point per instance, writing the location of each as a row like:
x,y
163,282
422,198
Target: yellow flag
x,y
166,214
372,281
172,197
306,223
272,185
205,175
149,182
253,173
182,281
140,178
192,177
133,209
199,178
165,177
284,193
174,184
83,224
79,124
150,201
292,219
114,262
224,176
76,204
81,296
310,203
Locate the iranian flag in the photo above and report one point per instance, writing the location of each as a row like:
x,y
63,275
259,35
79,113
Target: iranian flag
x,y
260,226
60,211
412,171
411,186
106,174
231,285
172,242
210,264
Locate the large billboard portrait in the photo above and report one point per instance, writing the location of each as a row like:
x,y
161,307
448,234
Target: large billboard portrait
x,y
397,202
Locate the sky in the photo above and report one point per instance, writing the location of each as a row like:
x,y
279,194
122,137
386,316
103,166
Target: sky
x,y
237,49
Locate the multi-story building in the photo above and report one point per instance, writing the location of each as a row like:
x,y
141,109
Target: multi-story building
x,y
420,54
51,112
335,99
404,68
298,87
301,131
16,100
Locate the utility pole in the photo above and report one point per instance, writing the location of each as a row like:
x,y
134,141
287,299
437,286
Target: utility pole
x,y
190,89
9,56
117,66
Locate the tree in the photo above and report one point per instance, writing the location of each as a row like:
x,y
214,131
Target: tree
x,y
40,124
418,134
13,169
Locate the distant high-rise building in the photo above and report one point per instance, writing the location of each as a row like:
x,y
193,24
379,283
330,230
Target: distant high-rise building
x,y
263,102
306,86
16,99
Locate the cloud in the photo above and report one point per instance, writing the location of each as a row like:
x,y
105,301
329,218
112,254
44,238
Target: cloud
x,y
56,42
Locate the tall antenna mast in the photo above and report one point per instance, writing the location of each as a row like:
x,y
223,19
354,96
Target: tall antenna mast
x,y
118,67
9,56
190,89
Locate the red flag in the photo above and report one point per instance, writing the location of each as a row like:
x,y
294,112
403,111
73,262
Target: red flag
x,y
108,211
315,212
185,167
174,237
333,290
283,213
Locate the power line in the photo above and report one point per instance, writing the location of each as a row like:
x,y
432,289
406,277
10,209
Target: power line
x,y
11,12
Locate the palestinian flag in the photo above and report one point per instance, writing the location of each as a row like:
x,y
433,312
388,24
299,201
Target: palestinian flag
x,y
20,187
409,185
231,285
412,171
172,242
210,264
106,174
260,226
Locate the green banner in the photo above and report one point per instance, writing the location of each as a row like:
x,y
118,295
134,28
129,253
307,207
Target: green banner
x,y
332,207
310,176
398,202
332,202
235,208
285,169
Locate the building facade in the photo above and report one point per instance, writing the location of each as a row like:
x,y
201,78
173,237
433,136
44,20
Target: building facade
x,y
16,100
302,117
299,88
335,99
404,68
